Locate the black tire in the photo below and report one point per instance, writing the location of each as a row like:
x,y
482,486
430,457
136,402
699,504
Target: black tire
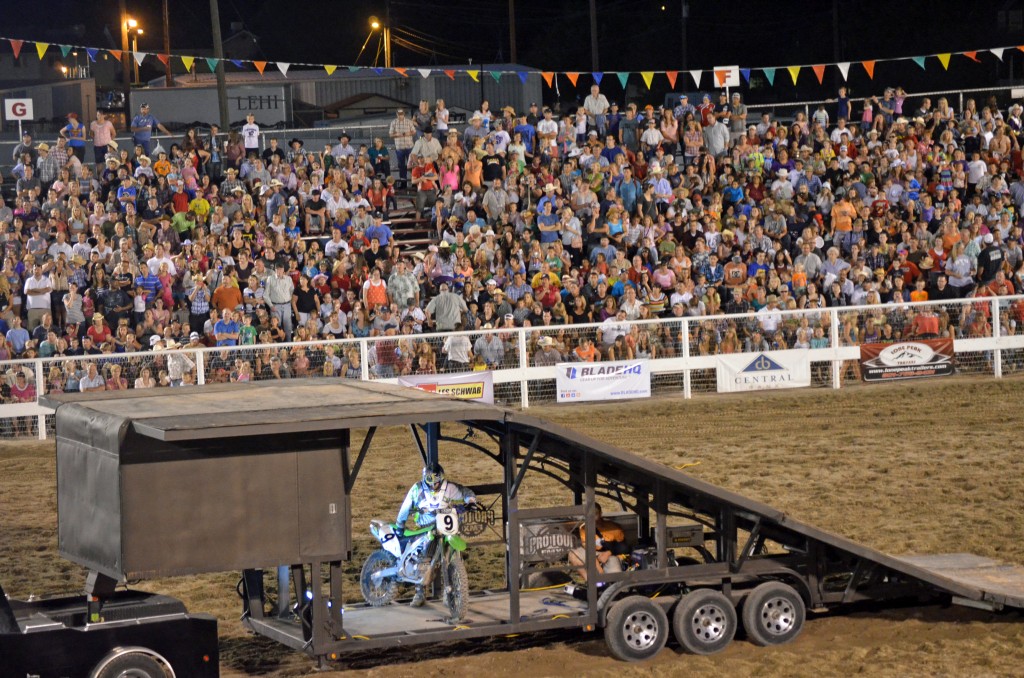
x,y
773,614
456,591
704,621
636,629
385,592
132,665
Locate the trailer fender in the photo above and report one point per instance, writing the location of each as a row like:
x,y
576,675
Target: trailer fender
x,y
118,652
786,576
606,598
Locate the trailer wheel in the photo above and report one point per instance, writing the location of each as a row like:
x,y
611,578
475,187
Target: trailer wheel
x,y
704,621
773,614
131,665
383,592
636,629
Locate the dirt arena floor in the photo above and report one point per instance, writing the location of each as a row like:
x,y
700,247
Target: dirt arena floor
x,y
925,467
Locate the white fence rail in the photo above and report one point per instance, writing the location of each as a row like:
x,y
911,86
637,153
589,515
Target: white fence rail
x,y
988,339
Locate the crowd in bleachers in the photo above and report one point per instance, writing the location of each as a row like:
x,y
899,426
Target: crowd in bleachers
x,y
595,213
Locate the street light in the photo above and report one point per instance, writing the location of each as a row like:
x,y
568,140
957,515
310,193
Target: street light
x,y
134,31
376,25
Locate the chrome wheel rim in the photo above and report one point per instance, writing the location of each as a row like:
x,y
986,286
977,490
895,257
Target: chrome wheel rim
x,y
640,630
709,624
778,616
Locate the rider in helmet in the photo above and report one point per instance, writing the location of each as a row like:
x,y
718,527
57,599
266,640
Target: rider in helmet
x,y
427,496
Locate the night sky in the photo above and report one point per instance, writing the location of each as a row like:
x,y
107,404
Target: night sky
x,y
555,35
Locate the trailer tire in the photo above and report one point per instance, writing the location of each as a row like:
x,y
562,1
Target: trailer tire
x,y
385,592
131,665
704,621
773,614
636,629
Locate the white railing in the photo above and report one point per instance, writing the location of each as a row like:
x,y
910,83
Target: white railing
x,y
987,340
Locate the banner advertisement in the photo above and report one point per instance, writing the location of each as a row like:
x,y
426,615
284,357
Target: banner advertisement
x,y
613,380
763,371
547,540
906,360
477,386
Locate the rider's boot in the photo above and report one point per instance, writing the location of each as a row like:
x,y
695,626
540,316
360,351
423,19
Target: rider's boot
x,y
418,599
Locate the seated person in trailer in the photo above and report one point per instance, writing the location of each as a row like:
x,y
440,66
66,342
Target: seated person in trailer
x,y
609,543
427,497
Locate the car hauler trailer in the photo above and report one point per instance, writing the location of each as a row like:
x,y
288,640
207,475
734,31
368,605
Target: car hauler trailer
x,y
250,477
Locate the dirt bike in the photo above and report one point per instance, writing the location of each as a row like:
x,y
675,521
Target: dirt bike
x,y
414,556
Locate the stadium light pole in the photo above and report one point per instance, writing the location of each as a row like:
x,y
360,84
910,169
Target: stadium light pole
x,y
218,53
167,46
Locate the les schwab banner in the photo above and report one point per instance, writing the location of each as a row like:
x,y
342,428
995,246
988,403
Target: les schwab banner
x,y
763,371
906,360
466,385
613,380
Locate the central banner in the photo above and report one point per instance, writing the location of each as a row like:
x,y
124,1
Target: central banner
x,y
614,380
763,371
464,385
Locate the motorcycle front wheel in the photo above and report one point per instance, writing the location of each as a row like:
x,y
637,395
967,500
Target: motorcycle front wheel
x,y
384,591
456,587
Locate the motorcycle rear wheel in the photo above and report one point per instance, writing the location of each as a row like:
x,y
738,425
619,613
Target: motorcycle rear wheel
x,y
456,589
384,592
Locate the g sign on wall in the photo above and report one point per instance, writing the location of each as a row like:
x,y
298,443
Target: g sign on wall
x,y
18,109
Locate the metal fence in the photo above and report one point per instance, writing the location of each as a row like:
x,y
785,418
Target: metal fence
x,y
988,339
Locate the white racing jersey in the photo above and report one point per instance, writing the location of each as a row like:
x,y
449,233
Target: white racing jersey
x,y
428,502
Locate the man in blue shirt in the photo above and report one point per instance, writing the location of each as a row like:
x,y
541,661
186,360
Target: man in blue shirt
x,y
379,230
142,129
18,336
148,282
127,193
226,329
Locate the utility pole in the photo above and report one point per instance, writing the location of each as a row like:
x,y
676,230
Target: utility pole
x,y
512,31
387,33
593,36
167,46
125,66
218,52
684,15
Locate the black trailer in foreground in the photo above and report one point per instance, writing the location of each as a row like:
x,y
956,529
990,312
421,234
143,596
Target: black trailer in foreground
x,y
229,477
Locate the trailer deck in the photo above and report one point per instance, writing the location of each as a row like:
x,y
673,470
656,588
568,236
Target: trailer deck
x,y
213,448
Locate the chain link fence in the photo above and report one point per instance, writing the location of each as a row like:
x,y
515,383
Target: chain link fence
x,y
988,337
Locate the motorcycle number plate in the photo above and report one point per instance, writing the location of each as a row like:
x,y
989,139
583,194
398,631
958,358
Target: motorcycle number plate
x,y
447,521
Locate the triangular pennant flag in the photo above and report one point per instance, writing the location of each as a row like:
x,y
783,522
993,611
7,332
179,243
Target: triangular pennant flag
x,y
41,48
869,66
92,52
353,69
548,77
523,75
378,71
648,76
450,74
770,74
918,60
116,53
260,65
672,75
237,63
998,52
819,71
496,75
283,67
721,77
188,61
211,63
794,71
573,77
139,57
696,76
16,47
944,60
163,58
844,68
623,78
65,50
404,72
330,69
1020,47
598,77
973,56
475,74
745,72
425,72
